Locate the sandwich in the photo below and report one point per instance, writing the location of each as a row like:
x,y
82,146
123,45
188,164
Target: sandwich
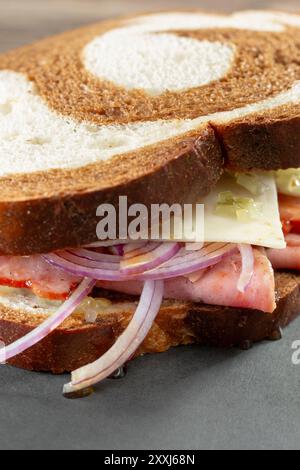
x,y
165,108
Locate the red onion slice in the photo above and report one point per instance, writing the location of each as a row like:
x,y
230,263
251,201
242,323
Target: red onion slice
x,y
126,344
194,246
83,267
132,247
94,256
105,266
43,330
247,271
179,265
188,262
144,260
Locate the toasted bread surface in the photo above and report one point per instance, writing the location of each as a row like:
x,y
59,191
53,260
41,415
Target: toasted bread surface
x,y
73,135
77,342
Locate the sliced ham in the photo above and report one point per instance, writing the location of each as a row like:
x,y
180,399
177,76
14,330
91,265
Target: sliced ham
x,y
218,285
34,273
289,257
292,239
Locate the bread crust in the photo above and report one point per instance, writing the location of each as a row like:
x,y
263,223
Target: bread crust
x,y
77,343
58,218
271,142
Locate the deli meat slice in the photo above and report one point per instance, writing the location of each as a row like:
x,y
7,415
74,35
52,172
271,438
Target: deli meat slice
x,y
33,272
218,285
292,239
289,257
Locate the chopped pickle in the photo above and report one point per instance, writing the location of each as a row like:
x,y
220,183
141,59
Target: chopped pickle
x,y
242,208
288,181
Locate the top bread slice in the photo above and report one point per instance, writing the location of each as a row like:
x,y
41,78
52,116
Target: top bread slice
x,y
152,107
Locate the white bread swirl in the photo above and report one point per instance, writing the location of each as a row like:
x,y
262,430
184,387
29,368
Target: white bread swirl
x,y
37,138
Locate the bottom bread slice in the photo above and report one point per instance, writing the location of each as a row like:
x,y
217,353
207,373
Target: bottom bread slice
x,y
77,342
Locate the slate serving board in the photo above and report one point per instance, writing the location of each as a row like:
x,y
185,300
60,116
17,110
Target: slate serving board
x,y
187,398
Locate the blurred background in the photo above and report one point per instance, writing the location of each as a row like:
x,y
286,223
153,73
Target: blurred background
x,y
22,21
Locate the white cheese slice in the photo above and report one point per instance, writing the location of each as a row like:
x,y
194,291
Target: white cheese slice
x,y
263,230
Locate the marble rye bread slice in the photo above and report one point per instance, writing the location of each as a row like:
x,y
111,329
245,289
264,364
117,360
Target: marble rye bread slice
x,y
152,107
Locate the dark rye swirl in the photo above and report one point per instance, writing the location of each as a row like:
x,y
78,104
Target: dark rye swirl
x,y
88,139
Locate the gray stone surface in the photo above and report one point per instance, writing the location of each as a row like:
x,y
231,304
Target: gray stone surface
x,y
188,398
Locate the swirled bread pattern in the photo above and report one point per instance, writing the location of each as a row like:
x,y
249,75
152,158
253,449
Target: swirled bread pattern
x,y
89,95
